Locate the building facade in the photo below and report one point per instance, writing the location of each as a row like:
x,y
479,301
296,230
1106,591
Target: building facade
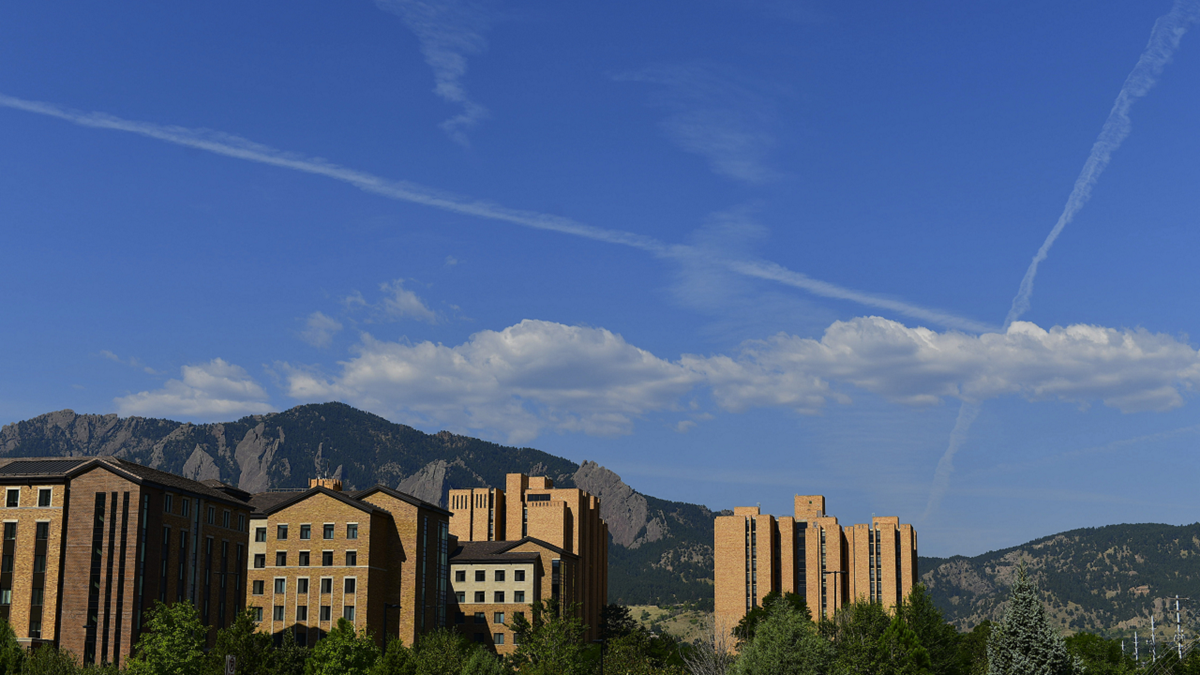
x,y
567,519
811,555
91,543
496,581
377,558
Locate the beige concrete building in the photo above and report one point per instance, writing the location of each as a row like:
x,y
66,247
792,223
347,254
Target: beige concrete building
x,y
809,554
566,519
90,543
378,558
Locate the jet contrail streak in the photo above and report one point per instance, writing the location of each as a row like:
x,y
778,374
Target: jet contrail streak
x,y
241,148
1164,40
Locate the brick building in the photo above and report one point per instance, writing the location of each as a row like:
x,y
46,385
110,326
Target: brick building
x,y
811,555
531,509
129,535
378,558
495,581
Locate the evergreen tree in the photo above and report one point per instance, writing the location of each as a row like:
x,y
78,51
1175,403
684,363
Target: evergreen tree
x,y
396,660
482,662
744,631
785,643
11,654
244,642
1024,642
550,644
172,642
343,651
900,651
47,660
855,631
441,652
289,657
938,638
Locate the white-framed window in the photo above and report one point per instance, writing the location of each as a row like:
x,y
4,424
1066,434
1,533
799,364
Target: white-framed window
x,y
302,586
278,616
326,585
518,596
352,530
44,496
280,585
12,497
348,613
350,585
327,531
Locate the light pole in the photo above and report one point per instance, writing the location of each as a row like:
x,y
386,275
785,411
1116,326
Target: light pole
x,y
386,607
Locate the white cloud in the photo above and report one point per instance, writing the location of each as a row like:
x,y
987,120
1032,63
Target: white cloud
x,y
401,303
714,116
532,376
132,362
213,390
1131,370
539,375
319,329
449,31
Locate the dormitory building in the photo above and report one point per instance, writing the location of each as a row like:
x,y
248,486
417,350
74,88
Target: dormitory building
x,y
811,555
90,544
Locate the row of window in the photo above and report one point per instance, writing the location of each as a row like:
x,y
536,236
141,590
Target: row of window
x,y
41,530
327,531
460,576
349,586
185,510
303,559
497,619
497,596
326,613
12,497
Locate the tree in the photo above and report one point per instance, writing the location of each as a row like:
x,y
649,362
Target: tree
x,y
856,630
617,621
290,657
785,642
744,631
938,638
343,651
900,651
396,660
637,653
972,649
47,660
1100,656
1024,642
11,654
482,662
550,644
172,642
244,642
713,653
441,652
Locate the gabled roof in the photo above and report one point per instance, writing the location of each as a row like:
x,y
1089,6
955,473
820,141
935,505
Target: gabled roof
x,y
65,468
402,497
502,551
297,497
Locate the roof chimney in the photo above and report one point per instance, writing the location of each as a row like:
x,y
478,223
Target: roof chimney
x,y
334,484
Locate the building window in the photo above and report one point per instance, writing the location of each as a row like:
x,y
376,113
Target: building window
x,y
42,531
257,587
498,638
327,585
186,506
212,515
349,586
280,586
306,531
44,497
257,614
498,617
39,564
480,596
13,498
460,576
348,613
351,558
326,558
537,498
225,519
302,586
480,575
352,531
480,618
260,534
10,531
35,597
278,616
460,596
281,532
328,531
498,596
260,561
518,575
303,559
499,575
302,613
281,558
459,617
326,613
241,522
518,596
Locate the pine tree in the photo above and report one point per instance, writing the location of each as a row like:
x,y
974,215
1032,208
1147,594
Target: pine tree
x,y
1025,643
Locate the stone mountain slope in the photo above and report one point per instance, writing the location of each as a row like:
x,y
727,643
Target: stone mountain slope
x,y
661,553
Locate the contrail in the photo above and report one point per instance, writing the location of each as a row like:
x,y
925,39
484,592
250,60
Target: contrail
x,y
241,148
1164,40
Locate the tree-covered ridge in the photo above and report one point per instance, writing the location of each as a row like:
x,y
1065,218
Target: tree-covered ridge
x,y
1104,580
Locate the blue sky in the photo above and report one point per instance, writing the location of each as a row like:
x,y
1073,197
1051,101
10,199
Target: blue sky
x,y
732,250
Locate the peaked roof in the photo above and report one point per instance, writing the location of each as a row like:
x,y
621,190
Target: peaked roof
x,y
502,551
402,497
65,468
269,506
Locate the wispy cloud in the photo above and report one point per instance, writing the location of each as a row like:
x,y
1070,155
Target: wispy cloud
x,y
319,329
1164,40
216,389
449,31
400,303
132,362
713,115
240,148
